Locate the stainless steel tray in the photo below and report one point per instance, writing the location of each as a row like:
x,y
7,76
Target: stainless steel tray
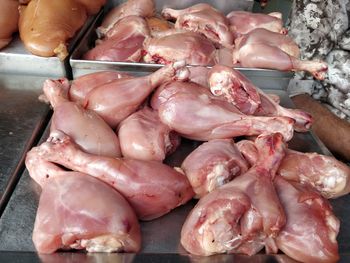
x,y
160,237
82,67
222,5
16,59
22,118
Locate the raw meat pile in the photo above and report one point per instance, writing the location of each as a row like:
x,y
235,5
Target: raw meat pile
x,y
101,169
200,35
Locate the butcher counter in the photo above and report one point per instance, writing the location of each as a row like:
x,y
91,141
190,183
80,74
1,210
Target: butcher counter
x,y
24,123
160,237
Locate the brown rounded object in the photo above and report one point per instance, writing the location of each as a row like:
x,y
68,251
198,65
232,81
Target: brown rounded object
x,y
45,26
8,20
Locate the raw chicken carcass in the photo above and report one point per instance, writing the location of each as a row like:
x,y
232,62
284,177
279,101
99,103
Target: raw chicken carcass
x,y
325,173
85,127
152,188
311,229
213,164
235,87
82,85
249,99
261,48
243,22
144,137
141,8
192,47
205,19
122,42
8,20
243,215
77,211
45,26
116,100
193,112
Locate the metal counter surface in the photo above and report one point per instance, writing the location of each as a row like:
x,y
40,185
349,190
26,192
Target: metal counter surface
x,y
16,59
223,6
30,257
160,237
22,118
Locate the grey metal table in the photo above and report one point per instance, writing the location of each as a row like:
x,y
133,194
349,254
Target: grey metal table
x,y
22,118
